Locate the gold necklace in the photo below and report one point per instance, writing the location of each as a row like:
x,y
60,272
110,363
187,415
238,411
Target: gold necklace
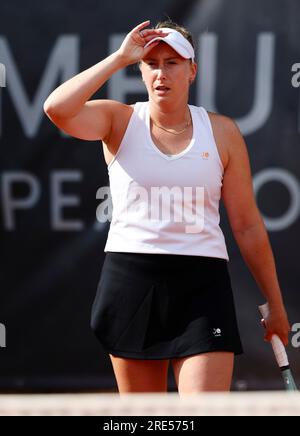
x,y
172,131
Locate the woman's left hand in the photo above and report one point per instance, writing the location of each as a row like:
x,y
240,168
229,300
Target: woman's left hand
x,y
277,323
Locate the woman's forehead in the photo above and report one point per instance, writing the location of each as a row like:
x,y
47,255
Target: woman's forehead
x,y
162,50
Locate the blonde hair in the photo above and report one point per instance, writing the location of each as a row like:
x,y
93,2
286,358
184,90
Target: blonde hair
x,y
181,29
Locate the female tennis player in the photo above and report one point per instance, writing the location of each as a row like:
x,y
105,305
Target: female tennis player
x,y
164,294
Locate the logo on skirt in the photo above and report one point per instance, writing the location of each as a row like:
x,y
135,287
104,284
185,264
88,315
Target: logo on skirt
x,y
217,333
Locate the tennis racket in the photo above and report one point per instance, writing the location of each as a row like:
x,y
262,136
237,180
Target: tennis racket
x,y
280,355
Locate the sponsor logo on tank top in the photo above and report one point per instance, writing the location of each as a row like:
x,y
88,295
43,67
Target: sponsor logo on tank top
x,y
205,155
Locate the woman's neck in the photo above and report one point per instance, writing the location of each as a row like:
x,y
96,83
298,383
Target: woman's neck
x,y
167,116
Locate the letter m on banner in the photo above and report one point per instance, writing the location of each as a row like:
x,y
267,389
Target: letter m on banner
x,y
62,64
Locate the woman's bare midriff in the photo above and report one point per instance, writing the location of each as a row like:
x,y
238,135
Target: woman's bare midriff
x,y
161,140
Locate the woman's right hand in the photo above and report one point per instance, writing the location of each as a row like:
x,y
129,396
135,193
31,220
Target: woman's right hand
x,y
132,48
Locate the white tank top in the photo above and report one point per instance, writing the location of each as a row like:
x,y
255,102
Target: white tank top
x,y
166,204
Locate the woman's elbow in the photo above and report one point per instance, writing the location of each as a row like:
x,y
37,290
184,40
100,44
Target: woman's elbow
x,y
51,110
47,107
51,105
247,221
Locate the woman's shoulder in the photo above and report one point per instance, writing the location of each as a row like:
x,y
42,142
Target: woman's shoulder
x,y
223,123
225,129
219,122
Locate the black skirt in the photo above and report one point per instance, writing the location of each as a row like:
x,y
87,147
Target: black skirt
x,y
162,306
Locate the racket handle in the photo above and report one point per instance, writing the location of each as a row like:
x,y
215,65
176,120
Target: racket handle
x,y
278,347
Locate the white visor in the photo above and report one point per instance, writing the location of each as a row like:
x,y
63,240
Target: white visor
x,y
177,41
